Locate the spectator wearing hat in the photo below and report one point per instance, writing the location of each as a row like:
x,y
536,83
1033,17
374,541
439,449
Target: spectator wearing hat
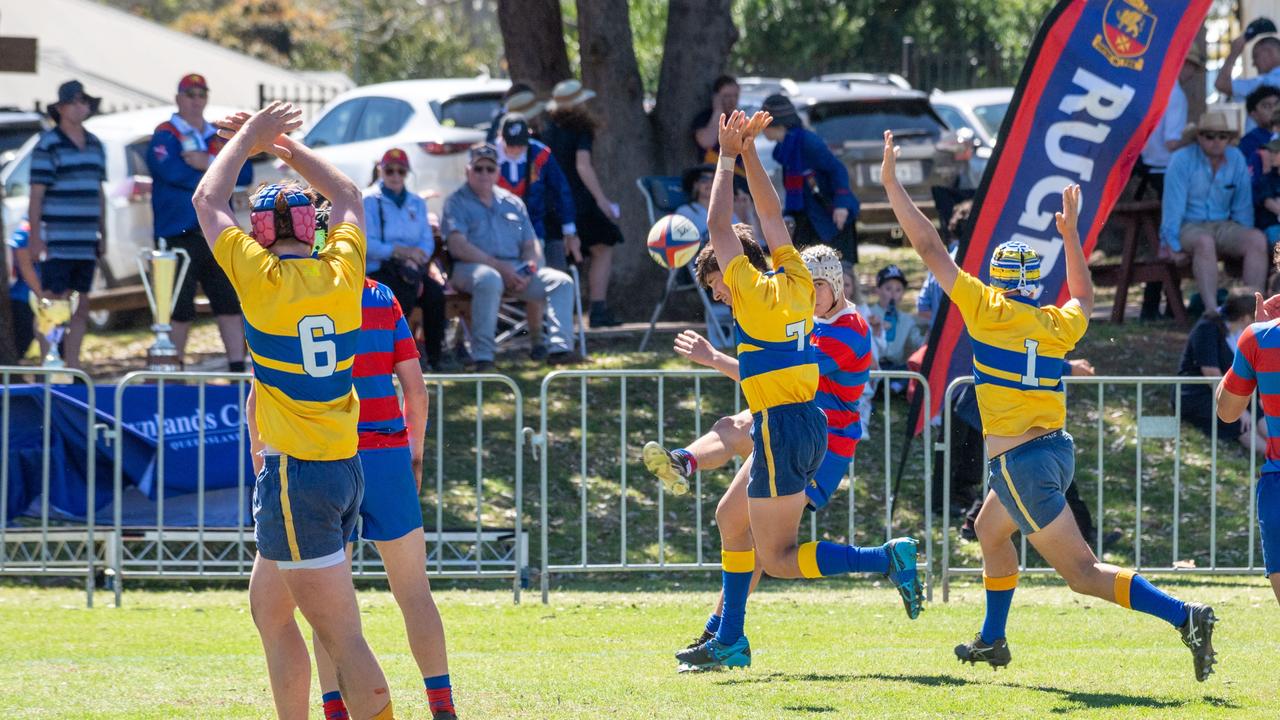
x,y
67,207
1207,210
725,94
569,131
401,244
519,99
178,155
496,252
1266,59
818,197
895,331
527,168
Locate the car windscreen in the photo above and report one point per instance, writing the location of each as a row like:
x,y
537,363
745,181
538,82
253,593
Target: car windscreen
x,y
866,120
991,116
469,111
13,135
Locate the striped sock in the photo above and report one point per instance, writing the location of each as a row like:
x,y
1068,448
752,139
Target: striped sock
x,y
439,694
738,568
824,559
713,624
999,599
1134,592
334,708
685,460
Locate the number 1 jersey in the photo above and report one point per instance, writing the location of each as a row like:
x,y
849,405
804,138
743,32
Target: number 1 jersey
x,y
302,321
1019,351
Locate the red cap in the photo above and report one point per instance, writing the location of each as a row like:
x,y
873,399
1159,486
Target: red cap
x,y
395,156
192,82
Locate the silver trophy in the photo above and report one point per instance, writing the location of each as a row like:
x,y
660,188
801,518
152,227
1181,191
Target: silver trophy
x,y
162,285
52,317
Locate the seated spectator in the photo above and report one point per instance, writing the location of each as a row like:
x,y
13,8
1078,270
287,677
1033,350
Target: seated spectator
x,y
1207,209
400,248
1261,104
496,252
519,99
896,333
696,183
1266,193
1210,348
23,283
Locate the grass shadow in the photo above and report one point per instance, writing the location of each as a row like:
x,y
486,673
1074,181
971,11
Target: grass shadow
x,y
926,680
1080,699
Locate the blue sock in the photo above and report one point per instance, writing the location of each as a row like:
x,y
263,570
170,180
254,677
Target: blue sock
x,y
1134,592
738,568
999,599
824,559
713,624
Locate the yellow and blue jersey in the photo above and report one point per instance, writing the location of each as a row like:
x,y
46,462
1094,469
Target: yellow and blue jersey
x,y
1019,356
302,321
773,319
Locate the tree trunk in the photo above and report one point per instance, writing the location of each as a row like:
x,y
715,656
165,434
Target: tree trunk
x,y
533,35
625,146
700,34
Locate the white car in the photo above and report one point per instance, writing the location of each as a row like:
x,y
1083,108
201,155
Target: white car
x,y
124,138
979,111
433,121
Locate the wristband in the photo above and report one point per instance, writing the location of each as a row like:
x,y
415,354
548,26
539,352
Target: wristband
x,y
727,162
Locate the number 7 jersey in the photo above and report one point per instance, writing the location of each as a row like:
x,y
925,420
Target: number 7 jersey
x,y
1019,355
302,321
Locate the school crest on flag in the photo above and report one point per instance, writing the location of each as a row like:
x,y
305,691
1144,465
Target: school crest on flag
x,y
1127,29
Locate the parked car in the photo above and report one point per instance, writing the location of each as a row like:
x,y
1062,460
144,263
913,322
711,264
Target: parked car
x,y
864,78
124,138
980,112
433,121
16,127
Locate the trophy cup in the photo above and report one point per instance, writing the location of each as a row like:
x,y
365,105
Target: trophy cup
x,y
52,317
162,294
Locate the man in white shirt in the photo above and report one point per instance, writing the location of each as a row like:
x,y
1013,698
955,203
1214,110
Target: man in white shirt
x,y
1266,58
1167,135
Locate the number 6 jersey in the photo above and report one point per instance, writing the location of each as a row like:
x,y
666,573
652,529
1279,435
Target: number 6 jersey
x,y
1019,351
302,321
773,318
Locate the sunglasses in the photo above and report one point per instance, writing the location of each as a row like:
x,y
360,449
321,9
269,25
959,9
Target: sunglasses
x,y
486,168
197,94
1216,135
394,171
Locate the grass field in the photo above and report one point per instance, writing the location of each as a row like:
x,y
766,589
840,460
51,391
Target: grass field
x,y
837,649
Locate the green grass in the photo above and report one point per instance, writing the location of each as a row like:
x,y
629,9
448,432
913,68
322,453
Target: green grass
x,y
828,649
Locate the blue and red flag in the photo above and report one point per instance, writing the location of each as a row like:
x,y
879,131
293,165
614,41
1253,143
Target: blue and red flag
x,y
1095,85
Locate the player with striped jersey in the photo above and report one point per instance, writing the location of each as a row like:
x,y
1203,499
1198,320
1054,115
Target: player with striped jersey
x,y
1019,350
302,320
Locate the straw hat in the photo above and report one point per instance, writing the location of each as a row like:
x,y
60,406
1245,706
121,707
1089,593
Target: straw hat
x,y
524,103
567,94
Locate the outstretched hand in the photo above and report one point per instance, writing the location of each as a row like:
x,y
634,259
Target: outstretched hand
x,y
1069,217
733,137
696,348
888,166
756,125
1265,309
266,129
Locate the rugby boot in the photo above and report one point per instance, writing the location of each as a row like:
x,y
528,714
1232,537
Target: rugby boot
x,y
996,654
1197,635
660,463
714,655
902,571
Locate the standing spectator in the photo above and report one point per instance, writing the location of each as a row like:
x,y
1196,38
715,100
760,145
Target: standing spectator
x,y
706,125
528,169
570,131
518,99
818,197
496,251
1266,59
1208,209
401,245
180,152
23,283
1210,348
896,333
1261,104
67,207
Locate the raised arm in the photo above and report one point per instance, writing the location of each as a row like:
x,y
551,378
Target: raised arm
x,y
763,194
1222,83
919,230
720,212
1079,280
249,135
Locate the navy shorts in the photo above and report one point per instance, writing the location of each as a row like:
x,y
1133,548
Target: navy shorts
x,y
789,442
304,510
59,276
1268,497
1031,480
390,508
827,480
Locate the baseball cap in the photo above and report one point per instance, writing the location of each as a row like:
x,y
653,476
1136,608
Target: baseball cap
x,y
514,129
1259,26
890,272
394,156
192,81
483,151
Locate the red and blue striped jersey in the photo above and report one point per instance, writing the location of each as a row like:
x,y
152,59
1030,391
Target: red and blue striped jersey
x,y
384,341
1257,365
844,366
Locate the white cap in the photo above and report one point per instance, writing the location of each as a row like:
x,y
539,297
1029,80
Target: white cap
x,y
824,264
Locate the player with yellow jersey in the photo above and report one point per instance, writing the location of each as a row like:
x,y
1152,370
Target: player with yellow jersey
x,y
302,319
1019,348
777,366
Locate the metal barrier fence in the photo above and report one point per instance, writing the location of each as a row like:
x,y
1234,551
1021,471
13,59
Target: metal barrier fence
x,y
1157,447
657,552
46,549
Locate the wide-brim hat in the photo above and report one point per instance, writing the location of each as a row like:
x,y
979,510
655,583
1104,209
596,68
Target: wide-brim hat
x,y
69,91
567,94
1214,121
525,103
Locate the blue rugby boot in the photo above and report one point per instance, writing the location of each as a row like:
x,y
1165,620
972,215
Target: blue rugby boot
x,y
713,655
902,571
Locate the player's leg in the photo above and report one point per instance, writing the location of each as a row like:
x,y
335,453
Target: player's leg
x,y
330,695
405,559
1267,493
994,528
729,437
288,664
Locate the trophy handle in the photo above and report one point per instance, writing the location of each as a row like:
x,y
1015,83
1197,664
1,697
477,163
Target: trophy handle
x,y
185,262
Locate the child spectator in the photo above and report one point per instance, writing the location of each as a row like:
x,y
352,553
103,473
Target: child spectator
x,y
1210,349
896,332
1266,190
23,280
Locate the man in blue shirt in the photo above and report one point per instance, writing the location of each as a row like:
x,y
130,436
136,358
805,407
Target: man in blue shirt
x,y
67,207
181,149
1207,210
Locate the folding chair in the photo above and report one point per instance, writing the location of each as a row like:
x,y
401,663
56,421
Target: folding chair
x,y
663,194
